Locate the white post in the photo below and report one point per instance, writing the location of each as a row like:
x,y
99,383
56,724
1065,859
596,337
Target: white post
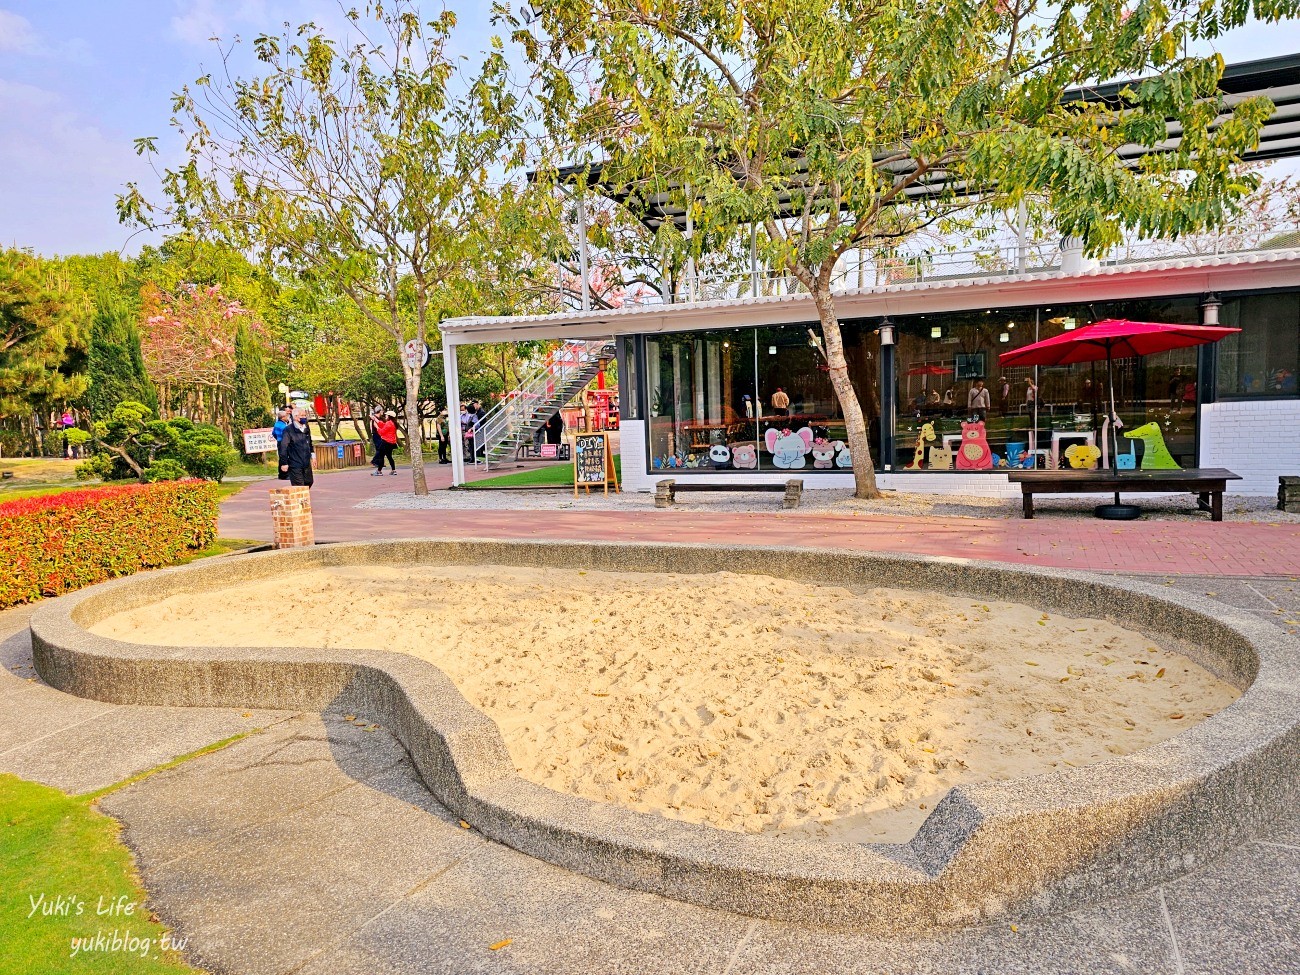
x,y
1022,245
582,249
692,285
753,260
451,380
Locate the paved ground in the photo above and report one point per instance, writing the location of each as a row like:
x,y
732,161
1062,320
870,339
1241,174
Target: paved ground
x,y
310,847
1191,545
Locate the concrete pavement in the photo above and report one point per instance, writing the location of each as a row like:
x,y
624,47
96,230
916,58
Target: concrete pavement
x,y
1190,546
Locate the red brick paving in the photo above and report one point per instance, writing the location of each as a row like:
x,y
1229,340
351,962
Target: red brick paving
x,y
1191,547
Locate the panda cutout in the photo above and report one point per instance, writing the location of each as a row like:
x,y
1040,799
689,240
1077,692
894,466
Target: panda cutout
x,y
720,455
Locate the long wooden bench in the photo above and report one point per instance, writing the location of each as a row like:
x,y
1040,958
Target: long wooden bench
x,y
666,490
1208,484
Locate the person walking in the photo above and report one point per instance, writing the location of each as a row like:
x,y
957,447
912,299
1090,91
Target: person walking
x,y
376,444
480,415
283,417
781,402
441,434
296,451
386,432
977,400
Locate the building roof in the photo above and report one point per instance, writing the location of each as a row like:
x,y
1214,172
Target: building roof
x,y
1277,78
1226,272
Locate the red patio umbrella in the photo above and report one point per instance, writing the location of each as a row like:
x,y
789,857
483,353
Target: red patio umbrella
x,y
1110,339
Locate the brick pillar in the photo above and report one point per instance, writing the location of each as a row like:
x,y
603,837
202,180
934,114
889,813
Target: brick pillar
x,y
291,514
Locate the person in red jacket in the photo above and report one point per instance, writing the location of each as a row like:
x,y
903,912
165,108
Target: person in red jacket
x,y
386,433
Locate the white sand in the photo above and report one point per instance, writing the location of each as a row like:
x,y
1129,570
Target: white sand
x,y
746,702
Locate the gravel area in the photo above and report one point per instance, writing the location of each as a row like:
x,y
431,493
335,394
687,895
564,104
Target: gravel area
x,y
830,501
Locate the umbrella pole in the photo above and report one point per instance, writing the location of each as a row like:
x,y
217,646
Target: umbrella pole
x,y
1117,511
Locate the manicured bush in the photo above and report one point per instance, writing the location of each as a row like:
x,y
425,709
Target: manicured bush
x,y
56,543
165,470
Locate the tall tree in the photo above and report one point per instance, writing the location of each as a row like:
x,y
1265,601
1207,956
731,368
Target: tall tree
x,y
368,169
115,363
250,400
42,341
876,119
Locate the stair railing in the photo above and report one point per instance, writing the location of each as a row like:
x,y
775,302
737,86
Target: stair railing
x,y
519,410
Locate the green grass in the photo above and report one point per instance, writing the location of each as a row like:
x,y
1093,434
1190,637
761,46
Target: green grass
x,y
222,546
552,475
60,846
37,475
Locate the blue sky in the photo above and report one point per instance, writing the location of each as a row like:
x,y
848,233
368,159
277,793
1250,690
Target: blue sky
x,y
81,79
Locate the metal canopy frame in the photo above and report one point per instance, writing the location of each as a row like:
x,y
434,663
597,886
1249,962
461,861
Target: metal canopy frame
x,y
1277,78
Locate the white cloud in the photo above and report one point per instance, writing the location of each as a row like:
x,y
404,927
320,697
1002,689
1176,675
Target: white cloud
x,y
17,34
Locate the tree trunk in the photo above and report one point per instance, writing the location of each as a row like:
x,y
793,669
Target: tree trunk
x,y
864,471
414,430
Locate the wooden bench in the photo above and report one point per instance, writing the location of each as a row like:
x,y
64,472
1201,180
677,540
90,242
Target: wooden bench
x,y
1208,484
666,490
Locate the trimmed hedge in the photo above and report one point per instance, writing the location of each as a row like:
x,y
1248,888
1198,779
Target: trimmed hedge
x,y
56,543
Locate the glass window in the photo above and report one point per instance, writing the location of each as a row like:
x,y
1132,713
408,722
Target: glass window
x,y
800,422
1264,358
948,375
702,401
628,379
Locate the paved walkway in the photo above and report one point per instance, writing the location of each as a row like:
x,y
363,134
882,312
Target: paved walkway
x,y
311,847
1170,547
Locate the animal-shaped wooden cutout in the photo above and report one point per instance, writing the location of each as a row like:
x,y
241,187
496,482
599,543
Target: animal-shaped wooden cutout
x,y
787,448
1155,455
823,453
940,459
1083,456
923,435
843,458
744,456
974,453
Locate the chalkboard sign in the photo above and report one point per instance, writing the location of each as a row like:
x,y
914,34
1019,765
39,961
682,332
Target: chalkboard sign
x,y
593,463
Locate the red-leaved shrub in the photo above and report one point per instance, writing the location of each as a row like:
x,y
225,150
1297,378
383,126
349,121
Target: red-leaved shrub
x,y
57,543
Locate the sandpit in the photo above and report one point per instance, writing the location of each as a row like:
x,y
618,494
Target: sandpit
x,y
744,702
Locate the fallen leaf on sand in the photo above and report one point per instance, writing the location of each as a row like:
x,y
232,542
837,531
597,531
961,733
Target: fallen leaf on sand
x,y
463,824
500,944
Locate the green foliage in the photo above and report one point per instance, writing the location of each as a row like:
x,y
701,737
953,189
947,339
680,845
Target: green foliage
x,y
131,439
368,165
165,470
42,337
54,544
251,397
875,121
115,365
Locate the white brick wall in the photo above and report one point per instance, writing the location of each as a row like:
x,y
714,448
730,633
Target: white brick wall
x,y
1259,439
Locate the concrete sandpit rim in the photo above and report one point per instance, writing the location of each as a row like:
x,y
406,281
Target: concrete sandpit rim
x,y
1036,844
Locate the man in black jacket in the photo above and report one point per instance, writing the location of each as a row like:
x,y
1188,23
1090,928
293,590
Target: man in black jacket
x,y
296,451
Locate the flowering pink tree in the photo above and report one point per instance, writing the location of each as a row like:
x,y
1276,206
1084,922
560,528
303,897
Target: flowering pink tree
x,y
188,341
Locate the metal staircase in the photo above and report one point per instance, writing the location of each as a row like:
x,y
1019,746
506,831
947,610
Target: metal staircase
x,y
514,421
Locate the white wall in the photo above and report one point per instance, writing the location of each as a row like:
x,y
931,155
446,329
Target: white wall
x,y
1259,439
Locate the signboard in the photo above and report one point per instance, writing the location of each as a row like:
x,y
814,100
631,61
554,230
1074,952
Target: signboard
x,y
260,441
340,452
593,463
548,451
415,354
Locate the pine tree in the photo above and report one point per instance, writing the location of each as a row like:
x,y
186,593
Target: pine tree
x,y
251,397
115,363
